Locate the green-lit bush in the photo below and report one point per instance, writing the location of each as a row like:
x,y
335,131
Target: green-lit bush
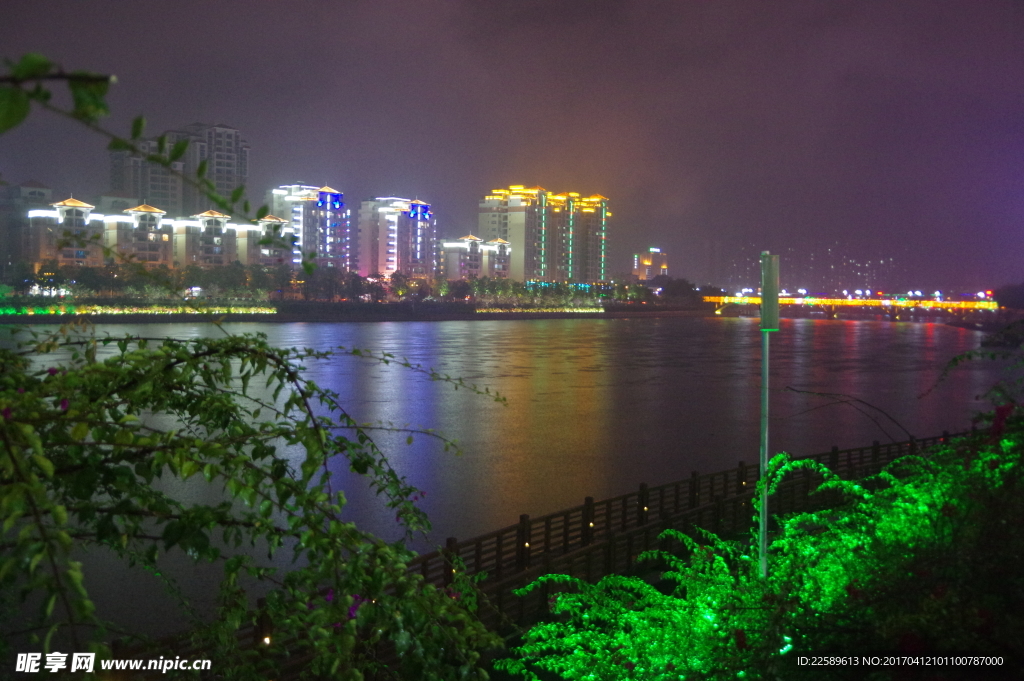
x,y
922,559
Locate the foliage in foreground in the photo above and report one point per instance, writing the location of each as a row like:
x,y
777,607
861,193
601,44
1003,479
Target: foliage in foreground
x,y
92,450
922,559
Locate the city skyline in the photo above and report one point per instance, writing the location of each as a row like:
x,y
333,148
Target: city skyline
x,y
794,126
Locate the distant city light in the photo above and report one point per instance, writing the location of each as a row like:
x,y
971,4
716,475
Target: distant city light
x,y
802,291
917,293
859,292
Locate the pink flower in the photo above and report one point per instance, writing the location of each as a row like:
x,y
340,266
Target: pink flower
x,y
64,404
6,413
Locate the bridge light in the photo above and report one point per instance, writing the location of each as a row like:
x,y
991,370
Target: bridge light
x,y
859,292
802,291
917,293
868,292
981,294
846,293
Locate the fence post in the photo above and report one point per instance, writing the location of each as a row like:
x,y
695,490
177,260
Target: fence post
x,y
876,451
913,446
694,489
587,531
642,503
264,629
451,549
523,543
833,459
741,478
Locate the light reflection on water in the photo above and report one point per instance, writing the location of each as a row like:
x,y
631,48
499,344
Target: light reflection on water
x,y
595,407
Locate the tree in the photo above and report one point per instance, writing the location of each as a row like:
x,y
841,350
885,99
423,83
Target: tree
x,y
460,289
83,440
398,285
80,451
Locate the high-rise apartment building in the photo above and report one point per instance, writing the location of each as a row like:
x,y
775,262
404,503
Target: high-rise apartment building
x,y
647,266
397,235
221,146
320,222
15,202
471,257
553,237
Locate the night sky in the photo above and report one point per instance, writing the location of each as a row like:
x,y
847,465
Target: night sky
x,y
885,125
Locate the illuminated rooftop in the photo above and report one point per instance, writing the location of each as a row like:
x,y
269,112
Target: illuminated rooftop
x,y
73,203
145,208
211,214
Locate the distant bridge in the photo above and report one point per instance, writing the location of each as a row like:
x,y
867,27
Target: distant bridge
x,y
888,306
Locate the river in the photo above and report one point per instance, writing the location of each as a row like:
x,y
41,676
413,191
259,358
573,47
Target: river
x,y
597,406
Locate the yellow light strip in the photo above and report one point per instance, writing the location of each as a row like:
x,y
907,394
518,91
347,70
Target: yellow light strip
x,y
869,302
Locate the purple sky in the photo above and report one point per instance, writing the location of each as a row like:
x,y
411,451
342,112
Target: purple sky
x,y
753,124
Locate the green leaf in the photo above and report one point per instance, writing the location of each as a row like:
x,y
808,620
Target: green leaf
x,y
31,65
237,193
161,144
80,430
45,464
201,170
89,92
14,106
178,150
138,126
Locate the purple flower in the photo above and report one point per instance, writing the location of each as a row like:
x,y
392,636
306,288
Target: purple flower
x,y
21,391
6,413
52,371
357,600
64,404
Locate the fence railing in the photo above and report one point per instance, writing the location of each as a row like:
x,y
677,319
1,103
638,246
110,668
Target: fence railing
x,y
599,538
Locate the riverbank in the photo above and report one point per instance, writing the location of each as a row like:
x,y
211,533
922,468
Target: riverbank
x,y
325,313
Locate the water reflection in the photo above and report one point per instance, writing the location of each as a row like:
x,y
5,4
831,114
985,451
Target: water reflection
x,y
595,407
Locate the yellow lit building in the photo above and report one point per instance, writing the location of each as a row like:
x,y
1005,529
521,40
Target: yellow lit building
x,y
553,237
649,265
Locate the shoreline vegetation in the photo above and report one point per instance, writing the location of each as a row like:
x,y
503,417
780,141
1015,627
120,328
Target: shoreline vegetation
x,y
313,311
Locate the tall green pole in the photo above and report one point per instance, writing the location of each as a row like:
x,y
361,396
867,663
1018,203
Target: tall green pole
x,y
769,323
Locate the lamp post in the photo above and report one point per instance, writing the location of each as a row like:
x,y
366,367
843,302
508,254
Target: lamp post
x,y
769,323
